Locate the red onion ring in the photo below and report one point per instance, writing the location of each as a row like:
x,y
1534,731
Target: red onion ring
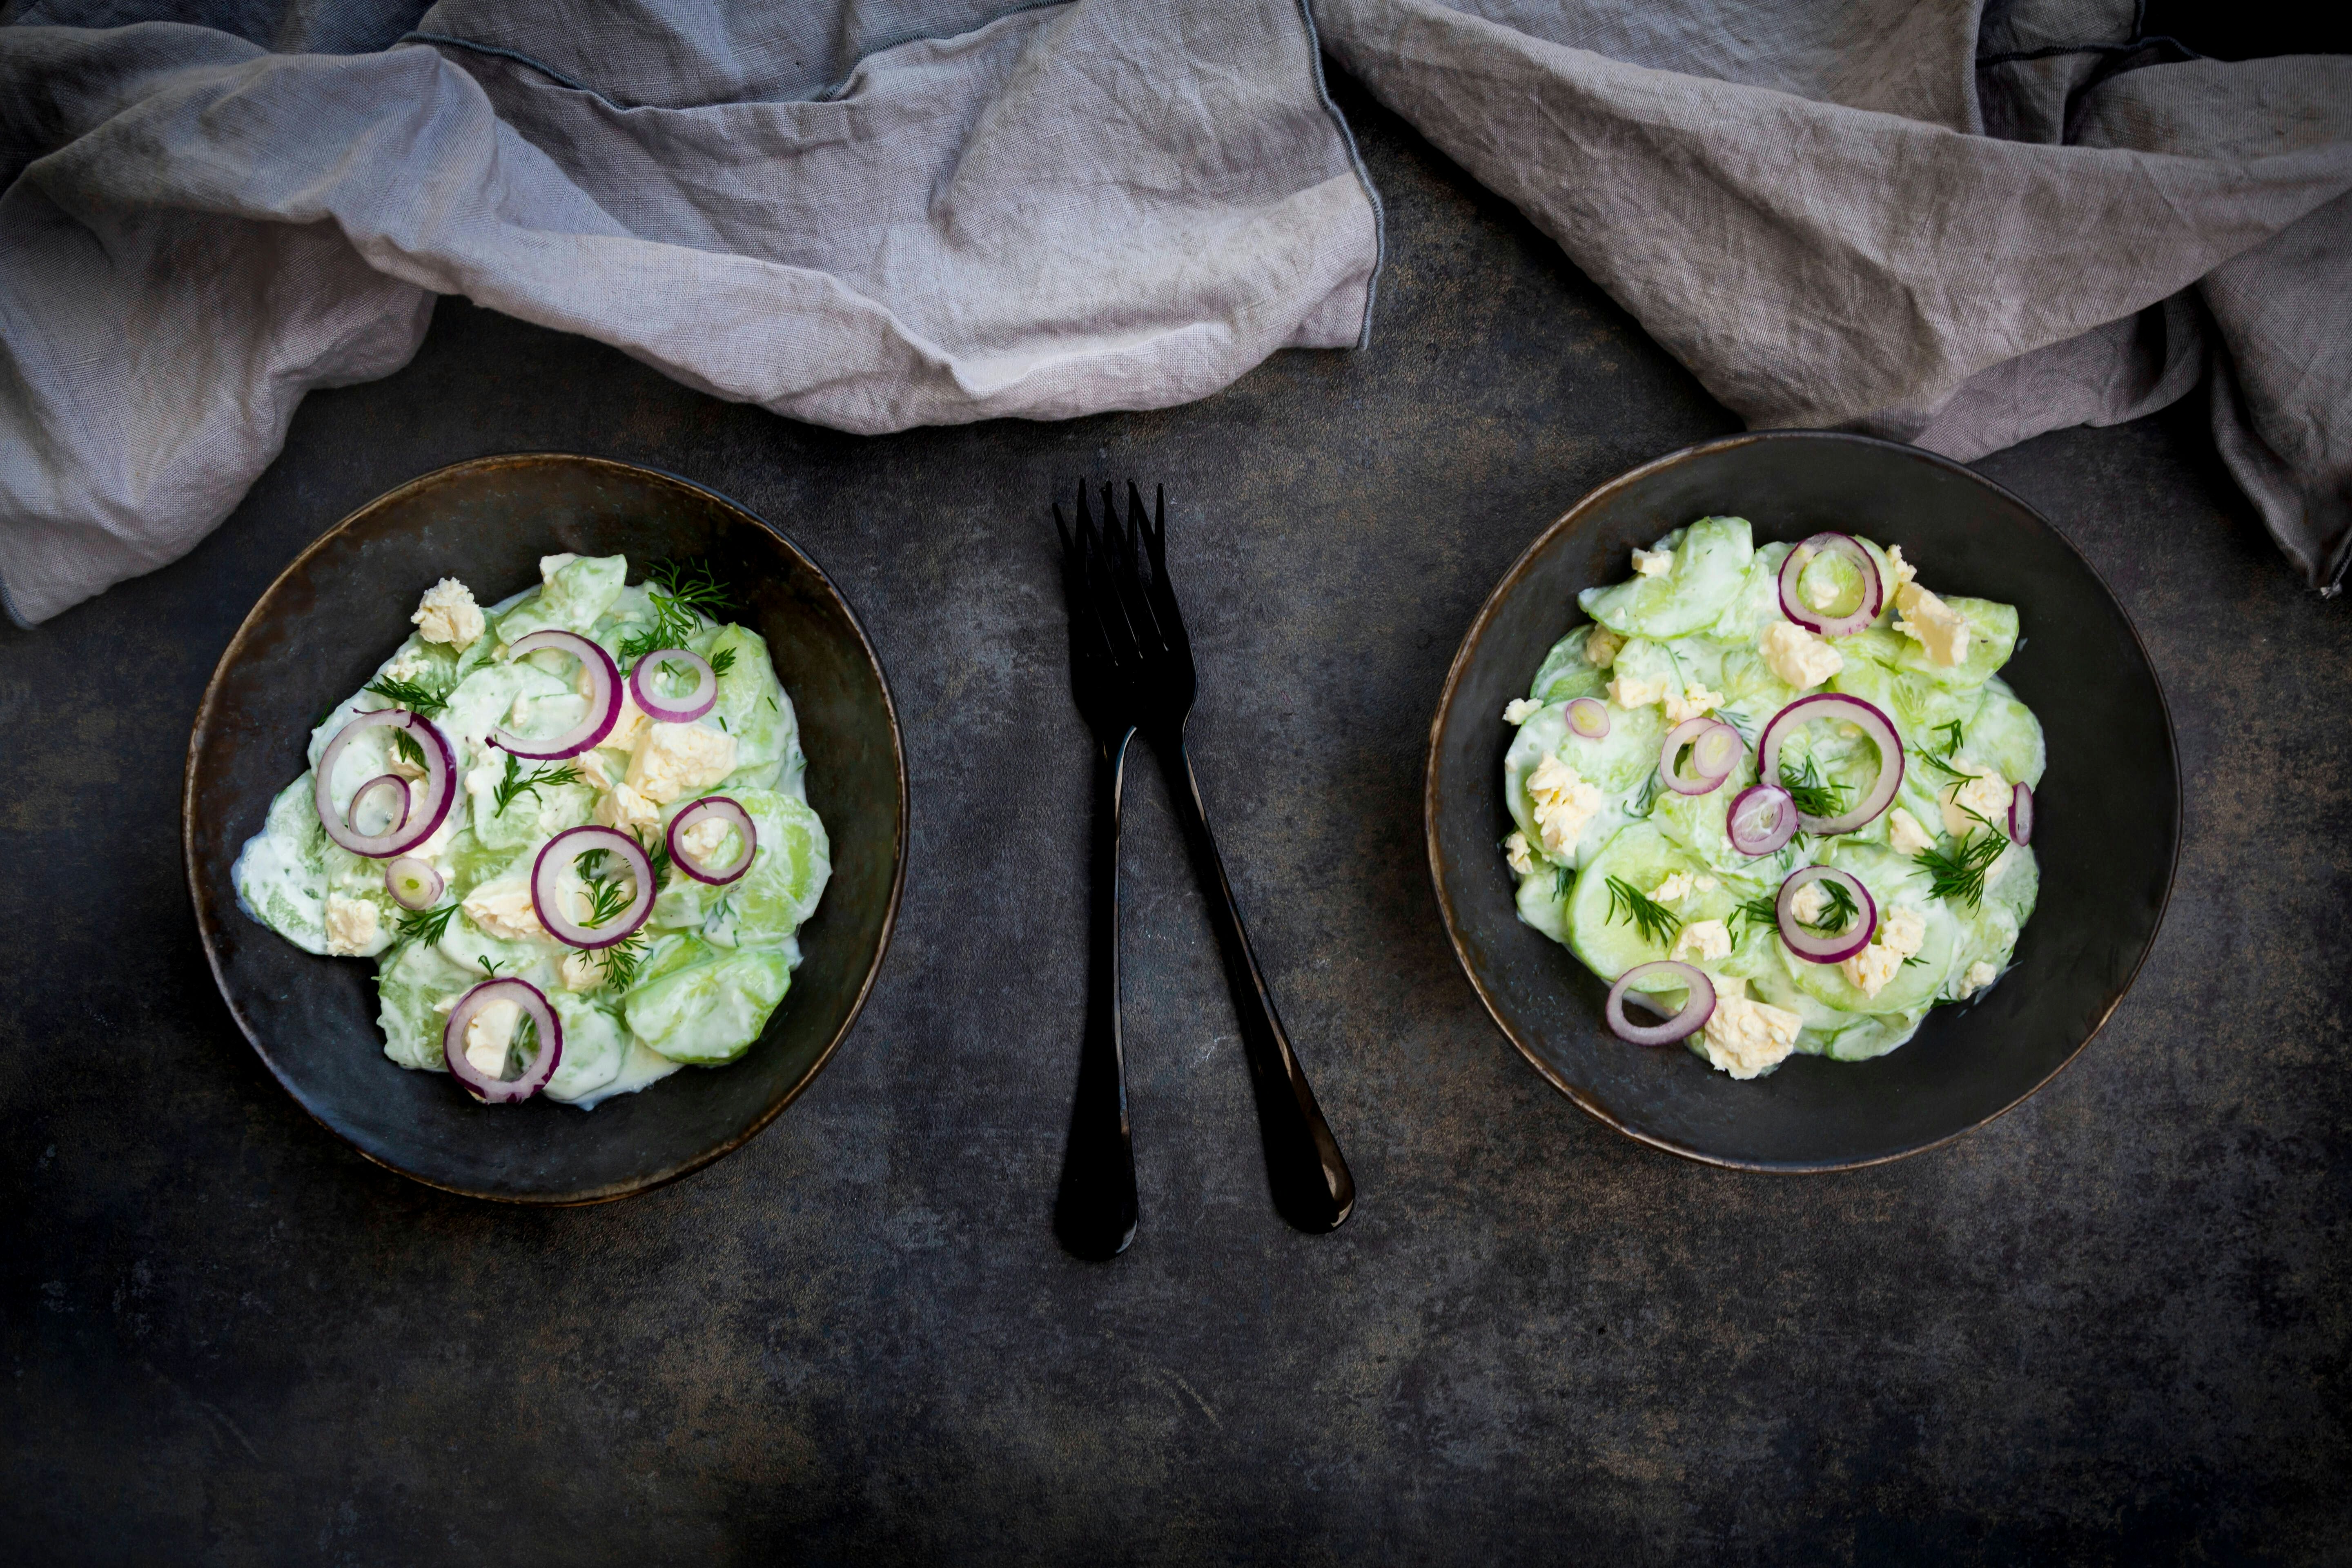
x,y
1873,724
557,857
1696,1009
1693,732
1811,945
2020,815
533,1001
728,811
422,820
1589,716
681,710
604,698
1717,751
1762,819
359,796
413,884
1873,591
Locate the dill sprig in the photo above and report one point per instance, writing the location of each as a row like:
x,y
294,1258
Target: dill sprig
x,y
1562,879
1811,796
681,593
606,896
489,965
522,1047
656,848
1960,872
1942,760
1758,911
1838,913
517,783
620,961
425,701
422,925
404,747
1656,922
722,662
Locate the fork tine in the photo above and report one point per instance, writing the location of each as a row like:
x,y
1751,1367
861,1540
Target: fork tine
x,y
1161,590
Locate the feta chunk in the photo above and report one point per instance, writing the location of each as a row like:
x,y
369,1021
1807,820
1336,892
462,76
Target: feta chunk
x,y
1703,941
1809,903
1905,835
1690,702
1902,571
351,925
580,972
504,910
1652,562
1600,645
1932,624
1673,889
1986,792
1520,709
1636,691
1797,655
702,840
628,727
1745,1038
1518,855
625,809
1564,804
1980,975
447,613
1900,934
487,1034
1821,594
675,759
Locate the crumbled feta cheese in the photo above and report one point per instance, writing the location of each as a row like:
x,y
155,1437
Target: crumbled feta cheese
x,y
675,759
1932,624
1900,934
503,909
1703,941
487,1034
625,809
580,972
702,840
1673,889
1690,702
1706,884
1652,562
1518,855
1986,792
1520,709
408,666
1809,903
628,726
1600,645
1903,570
1745,1038
1635,691
1905,835
549,566
1980,975
447,613
1821,594
1797,655
351,925
1564,804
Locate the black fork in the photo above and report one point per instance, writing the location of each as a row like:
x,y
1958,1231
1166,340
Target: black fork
x,y
1143,632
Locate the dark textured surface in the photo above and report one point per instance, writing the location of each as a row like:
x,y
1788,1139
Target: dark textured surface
x,y
2111,1327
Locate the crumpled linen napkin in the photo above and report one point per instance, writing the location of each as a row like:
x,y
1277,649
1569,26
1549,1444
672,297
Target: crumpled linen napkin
x,y
1955,226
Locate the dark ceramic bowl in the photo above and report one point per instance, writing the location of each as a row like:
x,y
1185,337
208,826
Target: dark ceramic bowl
x,y
2107,830
319,632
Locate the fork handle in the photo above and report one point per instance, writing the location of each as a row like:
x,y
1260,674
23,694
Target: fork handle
x,y
1096,1210
1311,1187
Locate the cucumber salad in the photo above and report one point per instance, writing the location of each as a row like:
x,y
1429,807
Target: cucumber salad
x,y
571,828
1777,796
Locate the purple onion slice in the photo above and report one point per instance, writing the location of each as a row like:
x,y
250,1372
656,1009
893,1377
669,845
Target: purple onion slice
x,y
423,817
670,661
413,884
1589,716
1762,819
712,807
1719,751
386,791
1874,592
1876,726
542,1067
547,891
604,698
1810,945
1693,733
2021,813
1696,1009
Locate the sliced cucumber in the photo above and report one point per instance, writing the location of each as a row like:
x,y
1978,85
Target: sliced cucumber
x,y
1567,674
1711,561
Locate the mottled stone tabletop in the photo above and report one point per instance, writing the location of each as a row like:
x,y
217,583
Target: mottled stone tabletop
x,y
2112,1326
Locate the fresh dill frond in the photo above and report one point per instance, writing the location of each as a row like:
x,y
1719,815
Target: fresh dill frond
x,y
522,1046
676,670
489,965
1838,913
1758,911
1915,962
424,925
607,894
1942,760
620,961
1562,879
682,593
517,783
1649,796
404,747
1656,922
771,701
425,701
1961,871
1811,796
656,848
722,662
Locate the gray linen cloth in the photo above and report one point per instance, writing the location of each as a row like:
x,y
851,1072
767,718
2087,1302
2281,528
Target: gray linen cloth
x,y
1953,223
1920,221
872,216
